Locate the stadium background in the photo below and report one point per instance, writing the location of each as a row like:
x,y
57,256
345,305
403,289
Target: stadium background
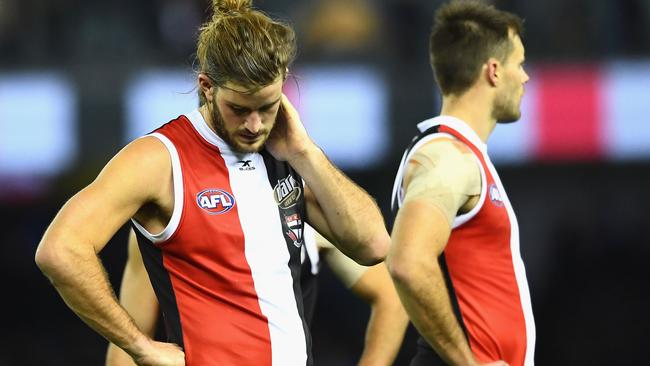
x,y
79,79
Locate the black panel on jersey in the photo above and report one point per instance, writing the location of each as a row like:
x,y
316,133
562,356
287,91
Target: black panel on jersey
x,y
309,286
279,172
162,285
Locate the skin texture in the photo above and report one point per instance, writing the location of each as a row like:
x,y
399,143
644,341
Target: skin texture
x,y
137,183
495,95
384,332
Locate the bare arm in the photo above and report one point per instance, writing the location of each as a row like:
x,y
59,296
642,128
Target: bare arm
x,y
138,299
420,283
68,252
388,320
435,191
336,206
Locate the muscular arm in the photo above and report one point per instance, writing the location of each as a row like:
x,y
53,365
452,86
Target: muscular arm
x,y
68,252
388,320
138,299
343,211
336,206
420,234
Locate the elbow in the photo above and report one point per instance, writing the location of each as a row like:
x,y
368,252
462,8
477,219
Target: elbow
x,y
375,251
398,268
49,260
45,258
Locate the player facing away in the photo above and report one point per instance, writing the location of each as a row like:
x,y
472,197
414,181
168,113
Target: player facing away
x,y
221,195
455,256
384,331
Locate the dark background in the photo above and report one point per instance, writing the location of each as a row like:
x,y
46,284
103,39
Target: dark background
x,y
584,222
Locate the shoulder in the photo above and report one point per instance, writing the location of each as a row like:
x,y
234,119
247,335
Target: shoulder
x,y
443,157
146,152
442,149
143,162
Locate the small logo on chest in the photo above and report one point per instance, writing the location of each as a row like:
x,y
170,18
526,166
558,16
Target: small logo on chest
x,y
294,223
495,195
215,201
287,192
245,165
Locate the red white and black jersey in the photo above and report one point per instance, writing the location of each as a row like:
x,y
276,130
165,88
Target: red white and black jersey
x,y
485,274
226,269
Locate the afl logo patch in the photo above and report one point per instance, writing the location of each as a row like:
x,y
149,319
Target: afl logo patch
x,y
215,201
287,192
495,195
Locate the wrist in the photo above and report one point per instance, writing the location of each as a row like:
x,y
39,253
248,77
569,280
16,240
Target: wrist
x,y
138,347
307,154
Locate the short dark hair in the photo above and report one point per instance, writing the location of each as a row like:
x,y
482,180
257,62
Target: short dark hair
x,y
466,33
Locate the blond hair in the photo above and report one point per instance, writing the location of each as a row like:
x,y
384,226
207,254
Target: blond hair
x,y
245,46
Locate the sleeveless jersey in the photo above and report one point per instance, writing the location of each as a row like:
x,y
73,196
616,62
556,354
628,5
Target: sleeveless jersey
x,y
226,268
482,264
309,274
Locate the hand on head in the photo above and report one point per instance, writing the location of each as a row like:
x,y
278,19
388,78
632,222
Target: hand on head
x,y
288,139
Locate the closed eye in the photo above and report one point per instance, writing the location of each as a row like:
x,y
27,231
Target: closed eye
x,y
268,107
239,110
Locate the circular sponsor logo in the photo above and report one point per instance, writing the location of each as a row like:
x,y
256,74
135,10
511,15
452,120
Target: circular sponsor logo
x,y
291,199
287,192
495,195
215,201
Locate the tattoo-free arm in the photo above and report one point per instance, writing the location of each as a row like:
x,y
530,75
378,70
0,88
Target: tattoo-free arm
x,y
420,284
138,299
68,252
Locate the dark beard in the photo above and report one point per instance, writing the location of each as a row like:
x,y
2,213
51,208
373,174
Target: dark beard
x,y
505,116
219,126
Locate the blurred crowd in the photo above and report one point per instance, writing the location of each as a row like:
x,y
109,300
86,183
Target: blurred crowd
x,y
72,32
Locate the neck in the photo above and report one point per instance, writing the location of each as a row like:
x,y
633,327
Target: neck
x,y
207,117
474,109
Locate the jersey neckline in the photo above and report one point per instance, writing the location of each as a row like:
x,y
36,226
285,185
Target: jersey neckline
x,y
457,124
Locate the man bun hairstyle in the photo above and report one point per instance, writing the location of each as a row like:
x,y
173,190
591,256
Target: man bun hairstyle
x,y
245,46
466,33
231,6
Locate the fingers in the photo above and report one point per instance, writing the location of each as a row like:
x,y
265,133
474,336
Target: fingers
x,y
287,107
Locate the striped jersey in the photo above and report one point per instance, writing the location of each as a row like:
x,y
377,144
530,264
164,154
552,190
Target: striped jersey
x,y
226,268
482,264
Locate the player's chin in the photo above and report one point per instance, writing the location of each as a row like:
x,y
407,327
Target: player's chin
x,y
510,117
251,147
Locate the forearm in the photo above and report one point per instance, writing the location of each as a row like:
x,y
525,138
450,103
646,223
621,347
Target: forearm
x,y
424,296
384,333
80,279
353,217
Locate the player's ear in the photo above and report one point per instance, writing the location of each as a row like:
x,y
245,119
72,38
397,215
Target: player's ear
x,y
493,71
207,86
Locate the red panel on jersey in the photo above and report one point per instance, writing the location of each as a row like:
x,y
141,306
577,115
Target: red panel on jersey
x,y
480,265
221,320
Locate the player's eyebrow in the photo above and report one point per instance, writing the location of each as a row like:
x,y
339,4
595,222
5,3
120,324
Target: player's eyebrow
x,y
268,105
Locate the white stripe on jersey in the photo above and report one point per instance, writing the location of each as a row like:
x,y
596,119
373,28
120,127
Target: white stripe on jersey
x,y
520,270
265,250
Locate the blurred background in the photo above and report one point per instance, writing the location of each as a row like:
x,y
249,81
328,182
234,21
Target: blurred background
x,y
80,79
